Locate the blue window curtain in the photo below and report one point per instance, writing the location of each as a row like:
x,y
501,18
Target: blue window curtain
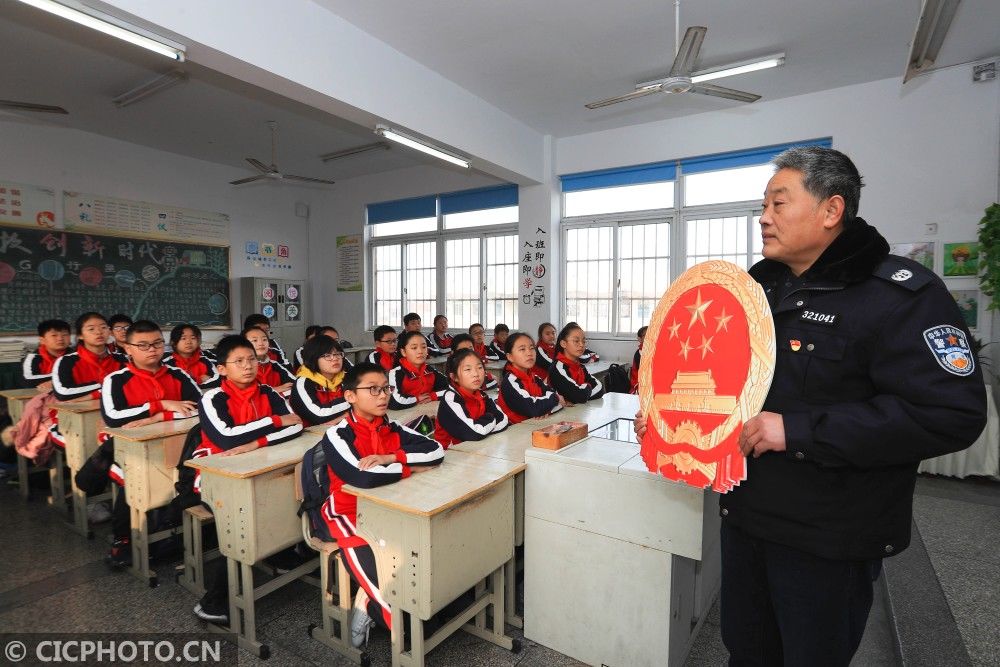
x,y
402,209
479,199
746,158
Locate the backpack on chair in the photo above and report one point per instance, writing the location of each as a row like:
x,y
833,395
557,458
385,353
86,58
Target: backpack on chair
x,y
618,379
315,482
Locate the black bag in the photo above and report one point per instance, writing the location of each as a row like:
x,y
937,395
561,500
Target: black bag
x,y
186,496
315,491
617,380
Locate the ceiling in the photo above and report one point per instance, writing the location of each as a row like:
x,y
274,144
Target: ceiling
x,y
537,61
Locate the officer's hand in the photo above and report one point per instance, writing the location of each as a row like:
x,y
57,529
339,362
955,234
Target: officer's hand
x,y
639,425
763,433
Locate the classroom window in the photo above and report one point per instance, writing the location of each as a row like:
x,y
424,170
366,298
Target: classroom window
x,y
642,197
589,268
731,237
501,281
727,185
464,281
420,288
644,273
412,226
505,215
387,268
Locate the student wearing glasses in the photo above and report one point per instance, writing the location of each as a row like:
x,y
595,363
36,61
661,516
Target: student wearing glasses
x,y
568,375
119,324
238,416
367,450
384,354
318,392
143,392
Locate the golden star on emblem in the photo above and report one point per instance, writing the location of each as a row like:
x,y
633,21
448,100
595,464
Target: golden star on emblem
x,y
723,321
706,346
685,348
674,328
698,310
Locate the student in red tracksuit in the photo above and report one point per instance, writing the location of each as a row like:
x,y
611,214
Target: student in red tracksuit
x,y
494,351
119,324
143,392
546,347
466,412
77,375
633,374
384,354
478,334
463,341
318,392
269,371
275,352
187,355
412,322
438,340
367,450
240,415
53,341
568,375
413,381
524,392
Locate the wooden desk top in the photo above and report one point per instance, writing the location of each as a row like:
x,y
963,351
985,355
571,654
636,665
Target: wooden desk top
x,y
461,476
154,431
259,461
14,394
89,405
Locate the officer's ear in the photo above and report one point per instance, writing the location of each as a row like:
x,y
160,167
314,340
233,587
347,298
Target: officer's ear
x,y
833,211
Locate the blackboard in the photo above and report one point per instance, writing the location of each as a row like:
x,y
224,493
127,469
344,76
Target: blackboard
x,y
46,273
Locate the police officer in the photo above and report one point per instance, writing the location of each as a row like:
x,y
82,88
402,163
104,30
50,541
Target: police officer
x,y
874,373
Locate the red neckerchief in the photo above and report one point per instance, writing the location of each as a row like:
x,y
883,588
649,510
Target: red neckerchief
x,y
480,350
549,350
264,371
369,436
475,402
99,367
422,376
48,361
415,371
527,379
153,390
443,341
384,360
190,365
575,368
244,403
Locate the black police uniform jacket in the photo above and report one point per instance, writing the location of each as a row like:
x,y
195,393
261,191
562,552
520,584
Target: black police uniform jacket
x,y
864,398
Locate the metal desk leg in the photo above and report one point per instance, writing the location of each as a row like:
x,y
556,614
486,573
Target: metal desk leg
x,y
335,630
510,593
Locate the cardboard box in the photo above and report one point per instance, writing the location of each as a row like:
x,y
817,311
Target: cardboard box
x,y
557,436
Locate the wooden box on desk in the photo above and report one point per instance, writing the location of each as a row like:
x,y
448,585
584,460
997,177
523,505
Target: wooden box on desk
x,y
557,436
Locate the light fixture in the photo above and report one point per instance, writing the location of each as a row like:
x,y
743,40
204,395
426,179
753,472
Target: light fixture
x,y
420,145
109,25
732,69
356,150
171,78
932,26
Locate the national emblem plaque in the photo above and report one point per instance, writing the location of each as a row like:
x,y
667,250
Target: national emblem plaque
x,y
706,367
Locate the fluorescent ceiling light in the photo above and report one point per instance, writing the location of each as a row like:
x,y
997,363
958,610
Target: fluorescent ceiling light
x,y
109,25
932,26
356,150
420,145
732,69
145,90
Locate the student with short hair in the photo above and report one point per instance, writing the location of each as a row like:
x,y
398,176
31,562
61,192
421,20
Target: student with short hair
x,y
568,375
367,450
384,354
318,393
119,324
311,330
524,392
334,334
478,334
261,321
143,392
494,351
413,380
238,416
411,322
187,355
464,341
465,411
633,375
438,340
546,346
53,341
269,371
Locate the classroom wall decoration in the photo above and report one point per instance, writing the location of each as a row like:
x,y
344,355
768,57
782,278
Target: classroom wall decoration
x,y
95,213
349,263
961,259
533,270
28,205
267,255
46,273
921,252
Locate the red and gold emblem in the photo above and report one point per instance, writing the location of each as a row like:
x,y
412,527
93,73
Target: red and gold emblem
x,y
706,367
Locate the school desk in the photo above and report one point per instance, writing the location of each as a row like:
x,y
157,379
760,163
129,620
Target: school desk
x,y
79,422
252,496
435,535
16,400
149,456
360,351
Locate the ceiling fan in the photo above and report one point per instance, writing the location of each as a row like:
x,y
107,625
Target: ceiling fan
x,y
28,106
683,79
272,172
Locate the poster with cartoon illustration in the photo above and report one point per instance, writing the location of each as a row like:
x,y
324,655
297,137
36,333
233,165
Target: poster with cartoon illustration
x,y
961,259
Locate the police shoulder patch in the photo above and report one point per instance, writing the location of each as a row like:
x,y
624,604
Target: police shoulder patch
x,y
950,346
903,272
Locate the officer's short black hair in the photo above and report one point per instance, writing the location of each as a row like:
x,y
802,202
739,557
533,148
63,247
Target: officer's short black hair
x,y
46,326
353,377
825,172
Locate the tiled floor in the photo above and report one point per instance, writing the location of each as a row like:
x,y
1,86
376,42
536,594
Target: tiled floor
x,y
53,580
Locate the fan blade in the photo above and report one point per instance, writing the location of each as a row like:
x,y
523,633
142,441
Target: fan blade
x,y
306,179
248,179
28,106
728,93
258,165
687,54
642,92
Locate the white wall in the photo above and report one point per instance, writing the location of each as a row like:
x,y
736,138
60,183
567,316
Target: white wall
x,y
72,160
